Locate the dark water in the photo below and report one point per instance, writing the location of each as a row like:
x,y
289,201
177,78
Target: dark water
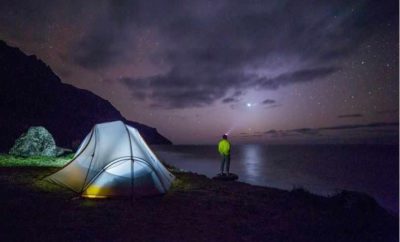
x,y
321,169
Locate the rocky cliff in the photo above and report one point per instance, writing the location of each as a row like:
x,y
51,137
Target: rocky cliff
x,y
32,95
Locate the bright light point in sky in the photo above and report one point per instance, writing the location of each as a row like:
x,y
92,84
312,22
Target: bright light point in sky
x,y
249,105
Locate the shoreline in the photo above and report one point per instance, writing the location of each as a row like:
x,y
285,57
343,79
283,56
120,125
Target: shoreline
x,y
195,209
322,170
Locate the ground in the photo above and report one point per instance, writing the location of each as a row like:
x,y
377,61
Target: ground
x,y
195,209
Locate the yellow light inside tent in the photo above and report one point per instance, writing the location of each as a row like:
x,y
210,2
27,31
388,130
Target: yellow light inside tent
x,y
94,196
93,191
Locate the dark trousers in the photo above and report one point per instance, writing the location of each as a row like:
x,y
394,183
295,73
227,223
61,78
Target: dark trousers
x,y
226,159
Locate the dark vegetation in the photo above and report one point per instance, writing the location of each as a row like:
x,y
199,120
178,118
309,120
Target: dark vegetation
x,y
195,209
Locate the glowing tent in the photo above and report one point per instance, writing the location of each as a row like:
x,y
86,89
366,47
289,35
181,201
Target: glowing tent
x,y
114,160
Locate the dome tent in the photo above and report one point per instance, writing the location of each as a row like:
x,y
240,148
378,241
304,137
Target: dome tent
x,y
114,160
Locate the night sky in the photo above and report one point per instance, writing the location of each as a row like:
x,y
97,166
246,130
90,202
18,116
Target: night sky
x,y
277,71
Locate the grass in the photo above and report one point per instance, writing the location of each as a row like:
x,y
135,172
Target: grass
x,y
35,161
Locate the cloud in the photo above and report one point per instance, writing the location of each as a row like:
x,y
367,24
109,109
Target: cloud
x,y
233,98
354,115
178,89
215,48
384,129
96,50
223,48
229,100
271,131
268,102
306,131
281,133
107,41
274,106
299,76
292,133
357,126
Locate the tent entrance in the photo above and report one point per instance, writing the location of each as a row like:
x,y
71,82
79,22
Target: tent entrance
x,y
124,177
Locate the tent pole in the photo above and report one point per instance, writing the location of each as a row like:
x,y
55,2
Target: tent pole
x,y
132,181
91,160
132,166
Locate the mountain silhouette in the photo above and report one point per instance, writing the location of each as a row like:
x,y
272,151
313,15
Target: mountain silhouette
x,y
32,95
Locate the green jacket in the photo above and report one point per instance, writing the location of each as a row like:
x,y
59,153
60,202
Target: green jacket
x,y
224,147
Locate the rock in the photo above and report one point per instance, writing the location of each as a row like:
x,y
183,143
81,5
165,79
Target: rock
x,y
225,177
36,142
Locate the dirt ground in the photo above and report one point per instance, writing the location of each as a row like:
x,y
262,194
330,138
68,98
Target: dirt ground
x,y
195,209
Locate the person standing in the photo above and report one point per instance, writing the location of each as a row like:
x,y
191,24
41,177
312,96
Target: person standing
x,y
224,148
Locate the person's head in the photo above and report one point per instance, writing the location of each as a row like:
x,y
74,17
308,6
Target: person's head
x,y
225,136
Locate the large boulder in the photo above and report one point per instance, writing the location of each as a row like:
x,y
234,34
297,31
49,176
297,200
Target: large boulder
x,y
36,142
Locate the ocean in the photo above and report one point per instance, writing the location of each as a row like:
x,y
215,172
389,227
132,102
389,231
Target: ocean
x,y
320,169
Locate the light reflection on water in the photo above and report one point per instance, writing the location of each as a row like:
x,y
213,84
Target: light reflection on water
x,y
321,169
250,160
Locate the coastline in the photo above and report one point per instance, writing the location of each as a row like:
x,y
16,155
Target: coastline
x,y
321,169
195,209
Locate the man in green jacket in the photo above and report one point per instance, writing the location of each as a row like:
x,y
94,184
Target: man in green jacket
x,y
224,148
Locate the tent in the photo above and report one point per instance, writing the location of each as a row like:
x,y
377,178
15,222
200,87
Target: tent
x,y
114,160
